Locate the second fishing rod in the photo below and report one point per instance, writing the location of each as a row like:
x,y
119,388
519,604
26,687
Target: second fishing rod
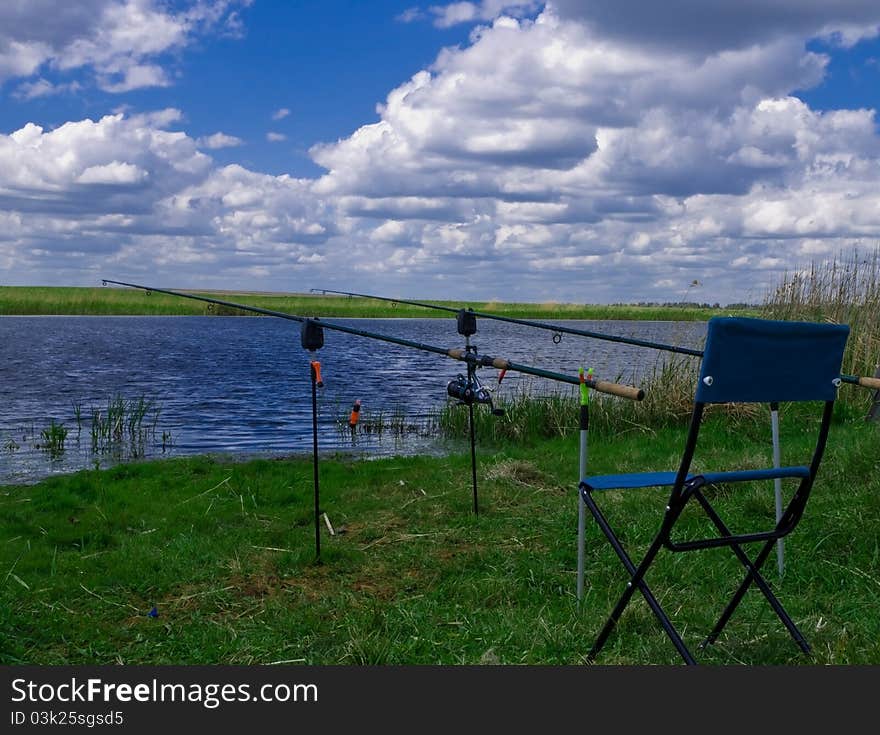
x,y
556,328
560,329
462,355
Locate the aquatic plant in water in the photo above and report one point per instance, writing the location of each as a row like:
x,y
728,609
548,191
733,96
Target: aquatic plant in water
x,y
53,438
123,429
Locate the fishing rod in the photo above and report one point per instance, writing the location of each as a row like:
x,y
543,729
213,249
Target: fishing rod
x,y
557,328
468,391
462,355
864,382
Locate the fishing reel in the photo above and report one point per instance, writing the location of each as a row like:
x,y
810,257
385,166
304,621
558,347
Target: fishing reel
x,y
471,391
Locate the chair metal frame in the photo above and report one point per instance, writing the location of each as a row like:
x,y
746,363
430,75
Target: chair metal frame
x,y
687,487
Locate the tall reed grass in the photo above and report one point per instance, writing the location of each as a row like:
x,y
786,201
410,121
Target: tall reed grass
x,y
125,427
53,438
393,422
529,415
843,290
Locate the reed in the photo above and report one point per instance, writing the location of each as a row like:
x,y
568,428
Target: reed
x,y
526,418
531,416
394,422
53,438
78,417
843,290
123,429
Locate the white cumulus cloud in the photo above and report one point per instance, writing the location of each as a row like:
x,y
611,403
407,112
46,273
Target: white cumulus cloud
x,y
455,13
546,143
128,192
219,140
706,26
122,42
114,172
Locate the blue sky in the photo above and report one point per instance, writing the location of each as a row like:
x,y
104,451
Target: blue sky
x,y
594,151
328,63
852,78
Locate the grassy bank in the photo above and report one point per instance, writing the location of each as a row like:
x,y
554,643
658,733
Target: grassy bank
x,y
224,551
38,300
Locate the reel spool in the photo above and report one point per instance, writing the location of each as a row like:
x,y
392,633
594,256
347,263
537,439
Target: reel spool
x,y
470,392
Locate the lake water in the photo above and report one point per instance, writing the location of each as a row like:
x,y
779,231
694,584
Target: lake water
x,y
240,385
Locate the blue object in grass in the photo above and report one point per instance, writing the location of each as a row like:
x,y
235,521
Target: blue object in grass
x,y
154,613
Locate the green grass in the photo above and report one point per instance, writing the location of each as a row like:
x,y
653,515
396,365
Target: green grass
x,y
224,551
40,300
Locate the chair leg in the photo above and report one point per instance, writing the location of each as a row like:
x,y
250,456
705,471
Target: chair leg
x,y
753,575
636,581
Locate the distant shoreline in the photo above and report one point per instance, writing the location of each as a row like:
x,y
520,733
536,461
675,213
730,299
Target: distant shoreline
x,y
101,301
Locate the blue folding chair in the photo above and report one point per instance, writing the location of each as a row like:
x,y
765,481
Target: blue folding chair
x,y
745,361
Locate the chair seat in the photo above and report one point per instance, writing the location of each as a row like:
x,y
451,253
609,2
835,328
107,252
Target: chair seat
x,y
631,480
747,475
666,479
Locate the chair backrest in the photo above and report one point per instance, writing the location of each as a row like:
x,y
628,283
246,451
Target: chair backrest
x,y
763,361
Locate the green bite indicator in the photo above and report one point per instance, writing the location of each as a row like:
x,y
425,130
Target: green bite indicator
x,y
585,389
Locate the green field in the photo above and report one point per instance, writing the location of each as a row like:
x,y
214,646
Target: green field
x,y
36,300
224,551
